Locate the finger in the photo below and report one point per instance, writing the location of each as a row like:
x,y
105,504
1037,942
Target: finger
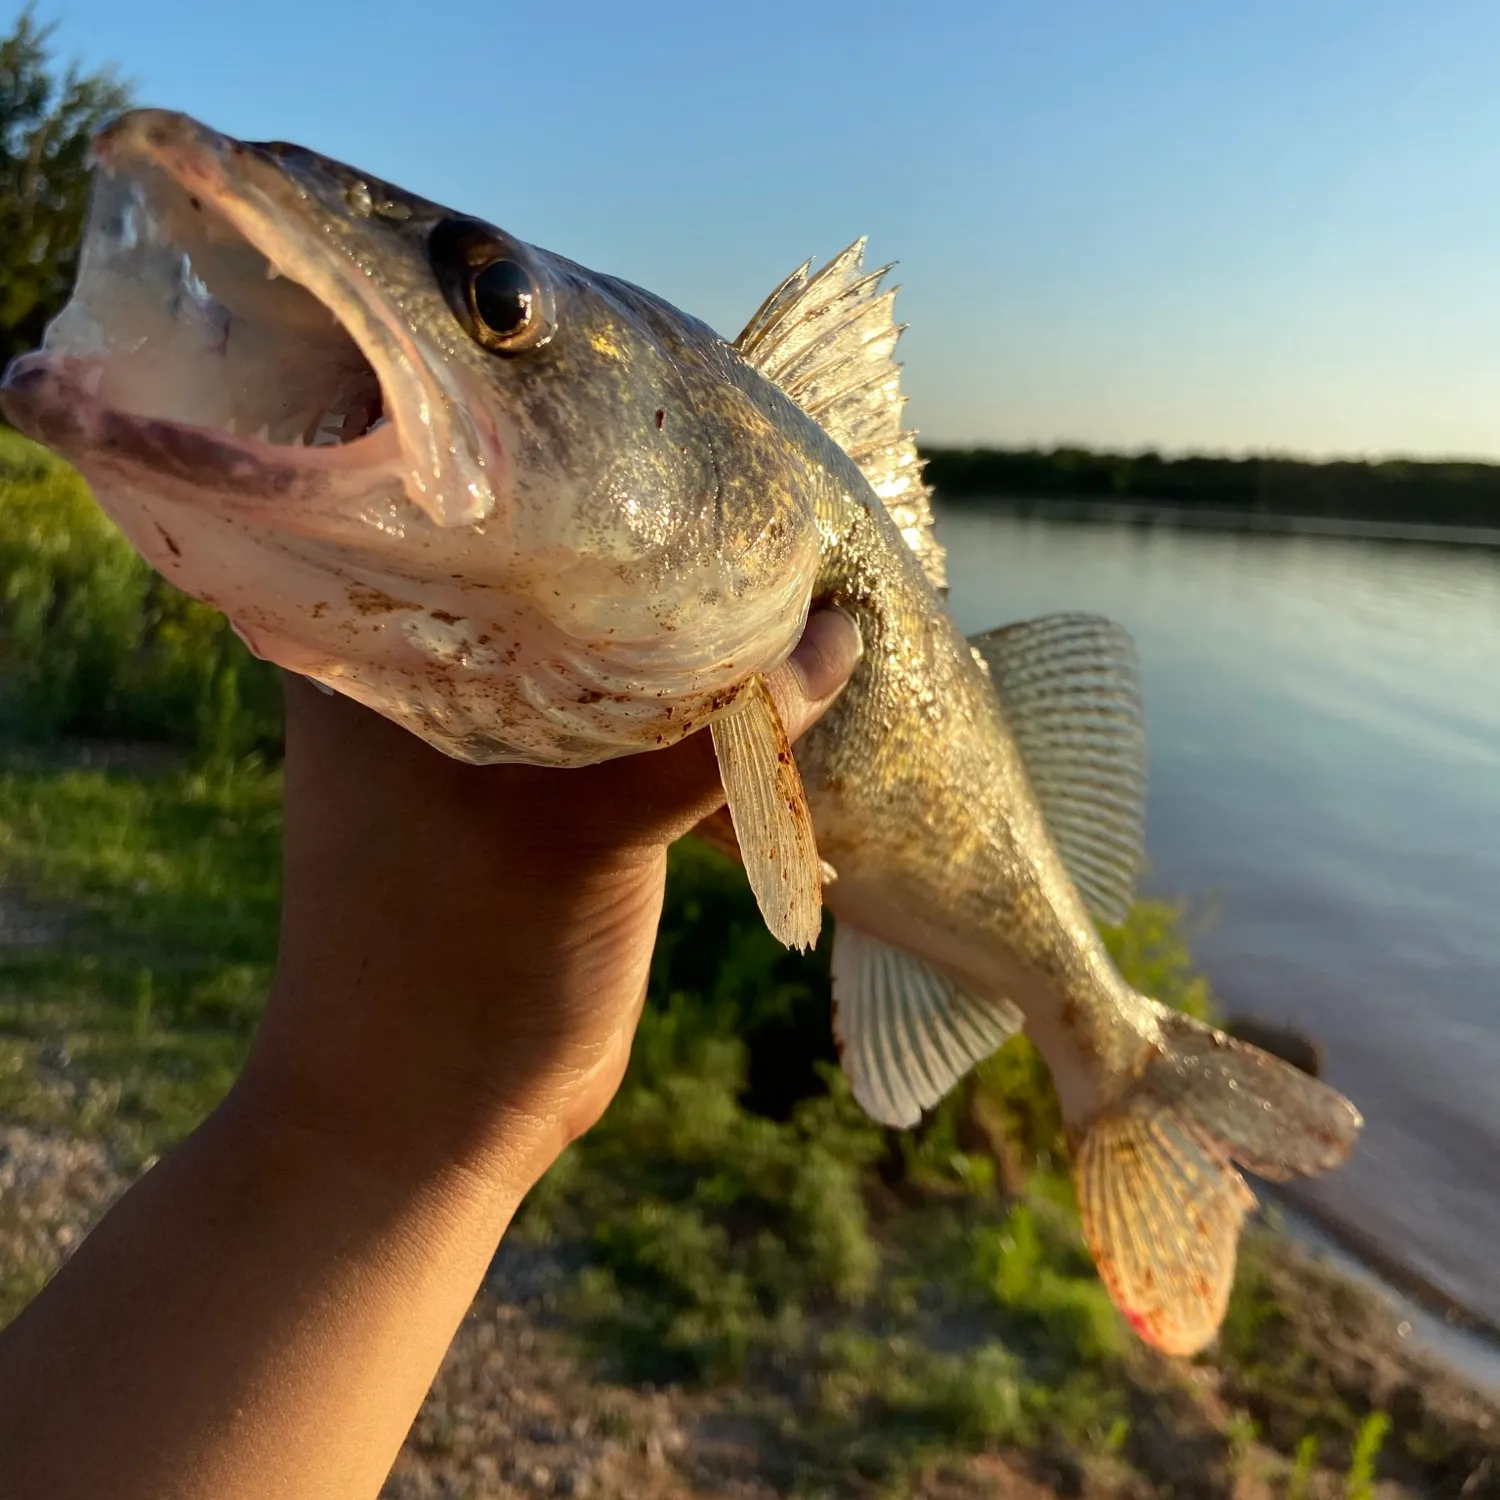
x,y
806,685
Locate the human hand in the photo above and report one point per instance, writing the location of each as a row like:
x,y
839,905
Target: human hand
x,y
464,958
465,950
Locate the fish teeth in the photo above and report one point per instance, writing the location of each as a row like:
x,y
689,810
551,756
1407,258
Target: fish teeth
x,y
271,272
262,434
329,432
91,380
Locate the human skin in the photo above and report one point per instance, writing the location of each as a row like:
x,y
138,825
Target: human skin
x,y
464,956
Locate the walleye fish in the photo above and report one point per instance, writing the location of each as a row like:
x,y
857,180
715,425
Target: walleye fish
x,y
534,513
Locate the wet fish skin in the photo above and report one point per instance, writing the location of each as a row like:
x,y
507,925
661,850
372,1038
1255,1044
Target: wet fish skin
x,y
600,542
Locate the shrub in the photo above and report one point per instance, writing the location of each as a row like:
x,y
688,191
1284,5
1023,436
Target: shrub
x,y
94,642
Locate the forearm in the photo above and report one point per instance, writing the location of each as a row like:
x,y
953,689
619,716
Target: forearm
x,y
261,1315
464,956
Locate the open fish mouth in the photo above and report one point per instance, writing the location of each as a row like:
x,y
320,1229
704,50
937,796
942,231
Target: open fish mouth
x,y
221,336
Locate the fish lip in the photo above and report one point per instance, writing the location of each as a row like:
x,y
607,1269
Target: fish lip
x,y
252,191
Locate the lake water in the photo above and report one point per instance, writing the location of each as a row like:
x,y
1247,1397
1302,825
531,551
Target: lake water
x,y
1324,717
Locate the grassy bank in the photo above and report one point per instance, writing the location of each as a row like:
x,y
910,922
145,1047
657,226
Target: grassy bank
x,y
871,1306
92,642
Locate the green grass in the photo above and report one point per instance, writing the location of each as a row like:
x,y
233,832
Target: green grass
x,y
880,1298
92,641
163,892
726,1243
1368,1441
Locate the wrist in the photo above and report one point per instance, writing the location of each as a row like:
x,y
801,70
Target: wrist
x,y
402,1142
476,1066
464,950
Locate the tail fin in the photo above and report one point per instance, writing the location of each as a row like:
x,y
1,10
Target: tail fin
x,y
1161,1201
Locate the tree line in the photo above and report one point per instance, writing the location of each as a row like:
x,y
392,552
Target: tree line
x,y
1440,492
48,116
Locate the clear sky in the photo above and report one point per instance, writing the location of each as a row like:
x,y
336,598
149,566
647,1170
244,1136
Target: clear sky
x,y
1208,224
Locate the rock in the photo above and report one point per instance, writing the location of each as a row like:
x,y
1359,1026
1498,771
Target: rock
x,y
1286,1042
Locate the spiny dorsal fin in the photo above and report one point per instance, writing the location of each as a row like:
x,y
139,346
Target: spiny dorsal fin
x,y
769,812
1070,687
829,342
906,1032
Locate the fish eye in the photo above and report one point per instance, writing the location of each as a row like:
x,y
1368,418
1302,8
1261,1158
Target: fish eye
x,y
502,299
491,286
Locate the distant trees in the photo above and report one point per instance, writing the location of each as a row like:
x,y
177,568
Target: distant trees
x,y
47,118
1433,493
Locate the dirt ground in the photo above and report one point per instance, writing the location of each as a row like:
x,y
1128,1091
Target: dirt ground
x,y
520,1408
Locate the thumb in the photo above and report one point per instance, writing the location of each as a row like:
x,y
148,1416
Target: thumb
x,y
812,677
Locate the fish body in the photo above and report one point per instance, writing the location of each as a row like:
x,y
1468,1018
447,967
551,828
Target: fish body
x,y
537,514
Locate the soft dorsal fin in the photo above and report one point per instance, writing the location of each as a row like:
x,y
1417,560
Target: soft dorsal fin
x,y
1070,688
829,342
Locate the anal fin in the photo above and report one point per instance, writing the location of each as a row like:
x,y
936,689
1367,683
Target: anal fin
x,y
768,809
906,1031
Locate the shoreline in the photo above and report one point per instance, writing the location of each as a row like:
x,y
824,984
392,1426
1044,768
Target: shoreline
x,y
1465,1343
1390,1271
1146,513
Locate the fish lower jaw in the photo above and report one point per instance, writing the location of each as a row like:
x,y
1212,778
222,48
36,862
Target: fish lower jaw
x,y
73,404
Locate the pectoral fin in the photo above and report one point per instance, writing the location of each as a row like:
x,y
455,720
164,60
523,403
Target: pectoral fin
x,y
771,820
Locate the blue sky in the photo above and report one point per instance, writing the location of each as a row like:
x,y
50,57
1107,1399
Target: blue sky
x,y
1208,225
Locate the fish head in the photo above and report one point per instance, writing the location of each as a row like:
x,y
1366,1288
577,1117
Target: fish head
x,y
527,510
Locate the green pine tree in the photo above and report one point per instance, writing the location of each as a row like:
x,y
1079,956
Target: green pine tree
x,y
47,118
